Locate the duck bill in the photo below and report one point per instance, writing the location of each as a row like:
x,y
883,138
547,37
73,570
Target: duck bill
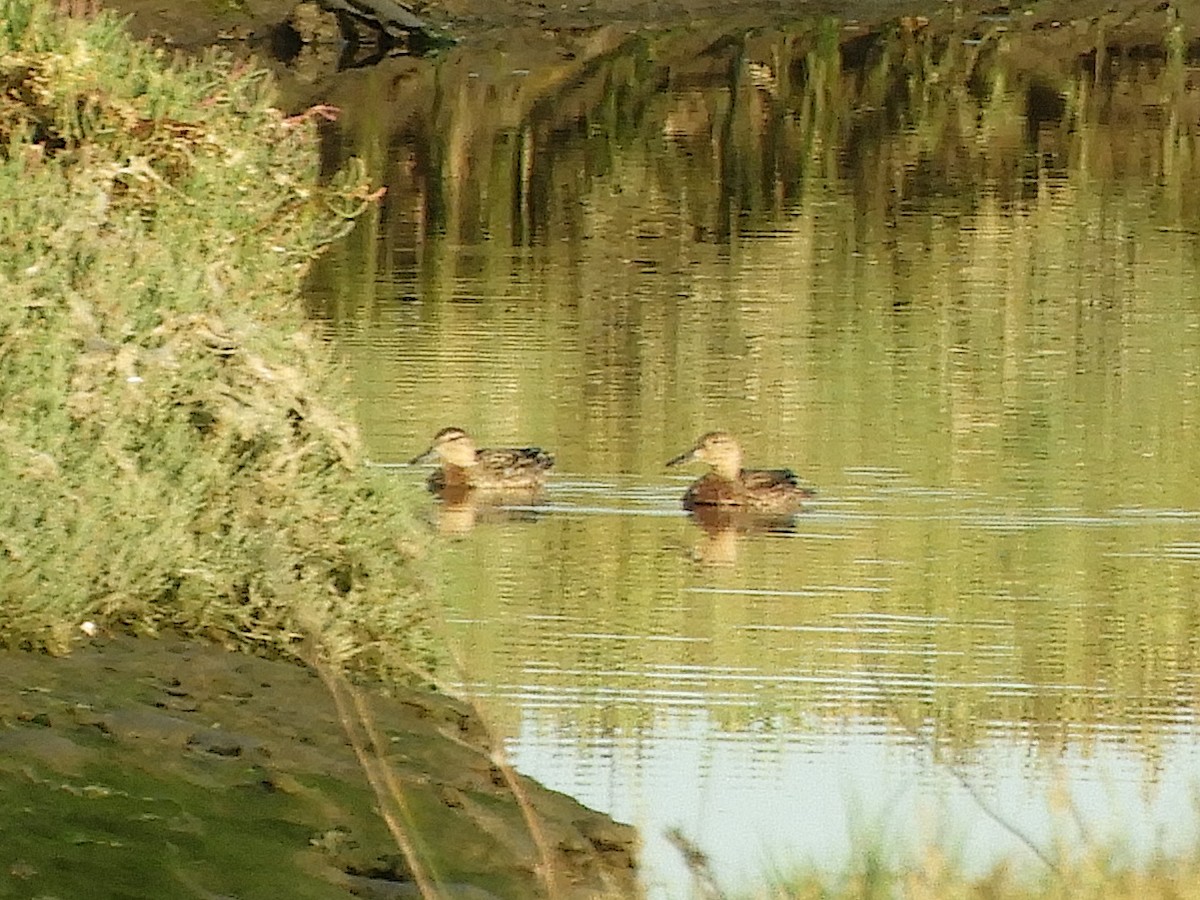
x,y
425,457
682,458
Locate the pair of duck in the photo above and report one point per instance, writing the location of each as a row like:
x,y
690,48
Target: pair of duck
x,y
523,469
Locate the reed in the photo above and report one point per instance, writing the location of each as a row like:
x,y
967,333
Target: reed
x,y
878,870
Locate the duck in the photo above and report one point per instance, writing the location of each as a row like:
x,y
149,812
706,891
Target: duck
x,y
464,467
728,485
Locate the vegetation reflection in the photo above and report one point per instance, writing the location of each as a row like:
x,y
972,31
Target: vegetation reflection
x,y
958,283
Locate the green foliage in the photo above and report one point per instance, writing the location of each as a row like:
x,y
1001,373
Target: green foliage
x,y
171,447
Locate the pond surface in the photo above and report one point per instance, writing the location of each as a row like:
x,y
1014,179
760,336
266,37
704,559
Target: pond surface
x,y
961,303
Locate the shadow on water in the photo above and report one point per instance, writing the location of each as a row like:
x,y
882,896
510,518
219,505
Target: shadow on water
x,y
951,279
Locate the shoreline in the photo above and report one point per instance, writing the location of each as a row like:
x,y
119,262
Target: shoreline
x,y
1063,26
174,763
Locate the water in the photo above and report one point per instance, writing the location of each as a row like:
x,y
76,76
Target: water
x,y
977,335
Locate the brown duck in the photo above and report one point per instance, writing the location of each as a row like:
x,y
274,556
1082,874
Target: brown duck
x,y
466,467
774,491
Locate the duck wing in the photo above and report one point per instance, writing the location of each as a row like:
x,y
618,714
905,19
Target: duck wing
x,y
514,459
766,479
774,488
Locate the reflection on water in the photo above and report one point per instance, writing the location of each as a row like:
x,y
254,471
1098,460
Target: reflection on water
x,y
961,298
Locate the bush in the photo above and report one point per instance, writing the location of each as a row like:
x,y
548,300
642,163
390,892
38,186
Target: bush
x,y
172,451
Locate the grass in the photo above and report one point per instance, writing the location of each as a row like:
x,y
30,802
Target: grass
x,y
175,450
881,869
1096,874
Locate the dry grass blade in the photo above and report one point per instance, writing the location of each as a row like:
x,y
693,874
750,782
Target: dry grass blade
x,y
358,724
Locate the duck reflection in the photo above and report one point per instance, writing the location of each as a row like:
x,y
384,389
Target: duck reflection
x,y
724,528
462,508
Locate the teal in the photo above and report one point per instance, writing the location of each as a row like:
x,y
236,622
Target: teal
x,y
465,467
728,485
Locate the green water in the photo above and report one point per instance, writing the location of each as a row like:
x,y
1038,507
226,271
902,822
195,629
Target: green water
x,y
978,335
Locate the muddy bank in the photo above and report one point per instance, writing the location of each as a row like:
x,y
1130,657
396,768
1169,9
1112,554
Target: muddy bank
x,y
1062,26
551,45
165,768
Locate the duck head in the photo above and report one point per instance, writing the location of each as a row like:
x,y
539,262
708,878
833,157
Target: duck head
x,y
452,446
717,448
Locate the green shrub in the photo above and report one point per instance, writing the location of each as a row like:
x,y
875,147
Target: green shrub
x,y
173,451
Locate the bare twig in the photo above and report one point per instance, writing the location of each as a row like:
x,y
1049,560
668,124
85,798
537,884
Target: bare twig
x,y
698,864
961,776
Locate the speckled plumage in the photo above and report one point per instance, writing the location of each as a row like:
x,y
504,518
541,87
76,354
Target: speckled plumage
x,y
773,491
465,467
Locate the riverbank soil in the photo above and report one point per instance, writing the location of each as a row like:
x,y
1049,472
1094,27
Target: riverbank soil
x,y
168,768
1068,27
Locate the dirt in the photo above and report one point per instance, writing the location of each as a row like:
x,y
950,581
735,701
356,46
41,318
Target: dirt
x,y
565,43
156,768
1066,28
